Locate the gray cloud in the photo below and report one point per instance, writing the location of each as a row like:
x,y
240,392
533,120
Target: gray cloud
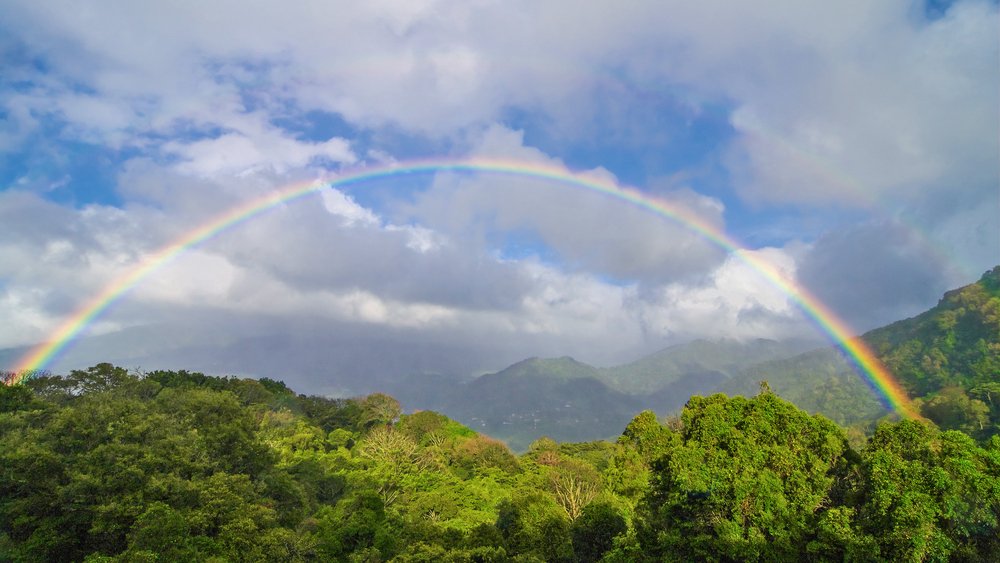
x,y
861,105
590,231
875,273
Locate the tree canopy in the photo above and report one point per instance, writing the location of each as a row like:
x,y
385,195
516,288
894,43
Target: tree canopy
x,y
107,465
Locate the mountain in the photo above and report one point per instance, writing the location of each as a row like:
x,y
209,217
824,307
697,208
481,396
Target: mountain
x,y
947,359
566,399
820,381
558,398
696,359
957,343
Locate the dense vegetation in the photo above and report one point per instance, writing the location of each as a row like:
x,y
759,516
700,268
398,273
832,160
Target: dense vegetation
x,y
105,465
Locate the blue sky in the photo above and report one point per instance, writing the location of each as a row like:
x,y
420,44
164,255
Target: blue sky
x,y
852,145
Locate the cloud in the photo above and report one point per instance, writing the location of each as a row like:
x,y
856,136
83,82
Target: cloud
x,y
882,113
733,300
862,104
589,231
875,273
329,259
252,145
869,108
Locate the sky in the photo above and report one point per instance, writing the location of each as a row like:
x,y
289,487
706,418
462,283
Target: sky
x,y
853,146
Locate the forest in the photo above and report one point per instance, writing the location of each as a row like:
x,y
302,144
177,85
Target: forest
x,y
108,465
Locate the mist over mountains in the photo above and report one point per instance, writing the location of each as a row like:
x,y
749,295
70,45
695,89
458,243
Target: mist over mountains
x,y
570,400
948,358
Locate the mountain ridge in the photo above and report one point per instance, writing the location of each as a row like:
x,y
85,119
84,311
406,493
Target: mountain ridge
x,y
821,380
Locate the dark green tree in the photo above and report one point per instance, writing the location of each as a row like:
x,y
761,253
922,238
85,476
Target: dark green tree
x,y
595,530
929,495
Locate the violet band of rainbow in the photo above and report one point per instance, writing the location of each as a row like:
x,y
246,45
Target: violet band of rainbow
x,y
866,363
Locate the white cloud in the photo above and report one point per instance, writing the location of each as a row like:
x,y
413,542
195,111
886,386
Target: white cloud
x,y
590,231
254,147
733,301
856,103
863,105
894,109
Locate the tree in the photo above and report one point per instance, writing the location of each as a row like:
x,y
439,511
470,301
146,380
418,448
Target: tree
x,y
953,409
746,480
647,436
15,397
394,455
531,525
595,530
929,495
99,378
379,408
574,484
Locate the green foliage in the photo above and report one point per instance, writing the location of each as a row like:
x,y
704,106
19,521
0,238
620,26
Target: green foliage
x,y
16,398
106,465
595,530
928,495
429,427
531,525
955,344
748,479
378,409
952,407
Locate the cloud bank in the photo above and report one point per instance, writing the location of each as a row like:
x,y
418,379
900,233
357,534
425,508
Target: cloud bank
x,y
855,143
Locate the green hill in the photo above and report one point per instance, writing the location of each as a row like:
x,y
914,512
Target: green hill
x,y
955,343
821,381
566,399
947,358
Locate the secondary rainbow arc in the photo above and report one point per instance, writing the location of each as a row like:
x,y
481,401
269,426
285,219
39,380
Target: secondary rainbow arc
x,y
867,364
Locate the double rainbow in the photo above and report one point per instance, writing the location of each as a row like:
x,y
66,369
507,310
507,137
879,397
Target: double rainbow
x,y
868,365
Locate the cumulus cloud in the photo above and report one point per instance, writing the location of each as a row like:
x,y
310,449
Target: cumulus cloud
x,y
732,301
867,107
857,104
251,147
590,231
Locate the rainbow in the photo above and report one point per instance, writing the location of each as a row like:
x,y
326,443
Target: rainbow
x,y
868,365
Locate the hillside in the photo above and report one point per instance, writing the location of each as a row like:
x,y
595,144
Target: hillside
x,y
821,381
947,358
566,399
955,343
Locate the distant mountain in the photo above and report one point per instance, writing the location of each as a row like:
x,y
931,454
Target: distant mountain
x,y
820,381
697,359
534,398
564,368
566,399
952,347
